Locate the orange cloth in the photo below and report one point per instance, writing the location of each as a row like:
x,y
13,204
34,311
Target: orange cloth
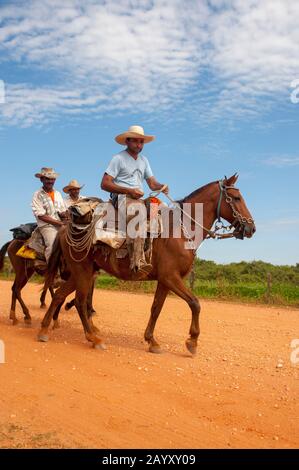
x,y
51,194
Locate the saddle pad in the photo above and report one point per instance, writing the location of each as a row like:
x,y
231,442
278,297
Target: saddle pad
x,y
26,252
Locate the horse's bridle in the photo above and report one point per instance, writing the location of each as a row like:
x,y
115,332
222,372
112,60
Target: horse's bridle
x,y
239,222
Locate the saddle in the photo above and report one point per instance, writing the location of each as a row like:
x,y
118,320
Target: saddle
x,y
34,249
104,217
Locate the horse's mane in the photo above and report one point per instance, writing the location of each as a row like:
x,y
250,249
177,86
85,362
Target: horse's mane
x,y
196,192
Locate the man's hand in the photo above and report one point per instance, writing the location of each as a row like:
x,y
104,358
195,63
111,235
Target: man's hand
x,y
165,189
64,216
135,193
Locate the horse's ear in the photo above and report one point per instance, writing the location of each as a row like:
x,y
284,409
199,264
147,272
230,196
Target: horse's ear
x,y
231,181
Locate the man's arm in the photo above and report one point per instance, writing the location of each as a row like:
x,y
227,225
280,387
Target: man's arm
x,y
40,212
155,186
108,184
50,220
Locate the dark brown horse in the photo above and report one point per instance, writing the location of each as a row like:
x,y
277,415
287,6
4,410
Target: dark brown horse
x,y
24,269
171,262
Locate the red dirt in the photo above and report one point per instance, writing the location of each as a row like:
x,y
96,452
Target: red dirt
x,y
231,395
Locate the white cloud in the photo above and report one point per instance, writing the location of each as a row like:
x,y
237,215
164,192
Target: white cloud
x,y
278,224
282,161
208,59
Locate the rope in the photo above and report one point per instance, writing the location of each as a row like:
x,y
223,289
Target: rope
x,y
176,204
82,243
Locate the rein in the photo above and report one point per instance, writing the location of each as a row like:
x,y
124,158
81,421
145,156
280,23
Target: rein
x,y
81,241
176,204
219,225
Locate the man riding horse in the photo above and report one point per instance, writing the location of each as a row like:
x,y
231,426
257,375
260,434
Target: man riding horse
x,y
48,208
73,193
124,176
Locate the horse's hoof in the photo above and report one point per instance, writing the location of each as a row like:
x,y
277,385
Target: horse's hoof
x,y
28,323
155,349
192,348
100,346
56,325
14,321
43,338
43,306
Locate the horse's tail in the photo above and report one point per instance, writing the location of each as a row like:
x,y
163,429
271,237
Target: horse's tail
x,y
2,254
53,263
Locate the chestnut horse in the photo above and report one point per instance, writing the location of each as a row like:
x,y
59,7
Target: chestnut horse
x,y
171,262
24,269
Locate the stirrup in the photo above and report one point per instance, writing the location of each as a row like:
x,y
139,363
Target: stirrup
x,y
143,271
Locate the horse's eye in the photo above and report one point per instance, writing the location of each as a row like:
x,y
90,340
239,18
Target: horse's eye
x,y
237,198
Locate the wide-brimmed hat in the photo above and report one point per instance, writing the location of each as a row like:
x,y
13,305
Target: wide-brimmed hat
x,y
73,184
47,173
136,132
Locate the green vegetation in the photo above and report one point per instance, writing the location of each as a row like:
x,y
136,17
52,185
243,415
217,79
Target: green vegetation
x,y
256,281
243,282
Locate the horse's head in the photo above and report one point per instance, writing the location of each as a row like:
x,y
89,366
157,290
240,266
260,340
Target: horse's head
x,y
82,211
232,207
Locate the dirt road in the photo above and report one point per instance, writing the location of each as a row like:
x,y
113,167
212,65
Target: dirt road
x,y
240,391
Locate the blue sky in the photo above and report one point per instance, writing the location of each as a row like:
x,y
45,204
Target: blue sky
x,y
213,80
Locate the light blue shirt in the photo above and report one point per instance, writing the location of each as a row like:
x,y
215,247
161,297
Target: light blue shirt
x,y
128,172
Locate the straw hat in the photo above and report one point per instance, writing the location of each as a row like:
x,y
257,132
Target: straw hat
x,y
73,184
47,173
136,132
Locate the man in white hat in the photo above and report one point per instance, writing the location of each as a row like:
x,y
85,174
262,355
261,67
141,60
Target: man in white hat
x,y
73,193
48,208
125,175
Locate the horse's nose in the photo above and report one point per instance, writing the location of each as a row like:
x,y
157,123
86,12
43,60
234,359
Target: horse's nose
x,y
249,230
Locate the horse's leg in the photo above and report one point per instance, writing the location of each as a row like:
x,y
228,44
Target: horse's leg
x,y
42,298
90,309
70,304
12,314
159,299
55,317
19,283
59,297
81,305
177,285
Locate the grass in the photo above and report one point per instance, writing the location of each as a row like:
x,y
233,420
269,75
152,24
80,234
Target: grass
x,y
256,292
280,294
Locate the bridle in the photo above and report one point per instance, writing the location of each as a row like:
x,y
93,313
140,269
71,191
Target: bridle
x,y
239,223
